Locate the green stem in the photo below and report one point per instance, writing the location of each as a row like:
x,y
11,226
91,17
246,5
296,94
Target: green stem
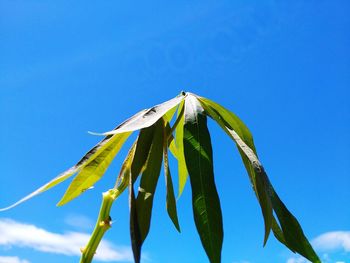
x,y
102,225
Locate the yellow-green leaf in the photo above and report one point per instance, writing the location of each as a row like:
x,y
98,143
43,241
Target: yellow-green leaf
x,y
94,170
85,160
179,134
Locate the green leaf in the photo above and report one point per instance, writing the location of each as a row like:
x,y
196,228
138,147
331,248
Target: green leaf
x,y
199,162
135,235
179,135
149,179
235,128
170,197
277,231
138,161
141,120
291,234
143,146
94,170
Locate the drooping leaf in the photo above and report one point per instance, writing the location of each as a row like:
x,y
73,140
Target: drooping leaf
x,y
235,128
140,120
135,235
148,117
199,162
94,170
179,134
138,164
149,179
143,146
170,196
293,234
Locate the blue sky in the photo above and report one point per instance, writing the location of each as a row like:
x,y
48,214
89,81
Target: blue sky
x,y
71,67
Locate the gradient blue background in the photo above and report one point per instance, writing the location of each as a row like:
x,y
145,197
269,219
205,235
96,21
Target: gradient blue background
x,y
283,66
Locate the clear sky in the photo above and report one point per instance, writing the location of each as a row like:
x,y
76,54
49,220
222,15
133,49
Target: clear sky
x,y
68,67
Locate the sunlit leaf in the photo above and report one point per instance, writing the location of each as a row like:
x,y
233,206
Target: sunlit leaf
x,y
94,170
199,162
170,114
148,117
85,160
179,134
149,179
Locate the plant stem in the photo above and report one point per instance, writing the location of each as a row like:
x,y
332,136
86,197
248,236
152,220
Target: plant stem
x,y
102,225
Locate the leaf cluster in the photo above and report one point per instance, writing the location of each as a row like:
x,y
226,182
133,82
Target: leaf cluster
x,y
188,139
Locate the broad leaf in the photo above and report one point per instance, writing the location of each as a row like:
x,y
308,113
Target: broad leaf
x,y
170,197
149,179
94,170
179,134
199,162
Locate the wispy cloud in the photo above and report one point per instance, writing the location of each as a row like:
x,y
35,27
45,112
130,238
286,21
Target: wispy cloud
x,y
26,235
5,259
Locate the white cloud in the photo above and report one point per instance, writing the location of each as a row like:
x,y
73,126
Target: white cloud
x,y
331,241
4,259
26,235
